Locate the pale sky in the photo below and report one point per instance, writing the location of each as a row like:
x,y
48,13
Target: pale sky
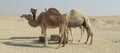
x,y
88,7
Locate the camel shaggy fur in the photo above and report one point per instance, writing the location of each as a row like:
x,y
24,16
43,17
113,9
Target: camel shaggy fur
x,y
71,26
75,18
49,19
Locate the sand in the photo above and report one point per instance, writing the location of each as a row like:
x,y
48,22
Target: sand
x,y
16,36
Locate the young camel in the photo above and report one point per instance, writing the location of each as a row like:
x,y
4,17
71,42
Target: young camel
x,y
50,19
75,18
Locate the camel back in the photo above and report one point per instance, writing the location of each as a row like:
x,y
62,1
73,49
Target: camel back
x,y
52,18
75,12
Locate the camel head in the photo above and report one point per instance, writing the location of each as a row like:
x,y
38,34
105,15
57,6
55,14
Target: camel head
x,y
33,11
27,16
31,22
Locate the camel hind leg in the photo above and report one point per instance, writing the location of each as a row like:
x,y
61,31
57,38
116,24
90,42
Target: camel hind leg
x,y
91,37
62,31
82,31
89,34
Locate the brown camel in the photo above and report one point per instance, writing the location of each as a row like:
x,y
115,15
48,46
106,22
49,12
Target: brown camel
x,y
50,19
75,18
33,11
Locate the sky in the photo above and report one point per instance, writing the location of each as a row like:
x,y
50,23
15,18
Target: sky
x,y
88,7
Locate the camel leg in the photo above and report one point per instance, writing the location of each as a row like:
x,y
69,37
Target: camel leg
x,y
82,31
62,39
70,34
61,28
64,42
88,35
41,32
91,37
45,36
65,37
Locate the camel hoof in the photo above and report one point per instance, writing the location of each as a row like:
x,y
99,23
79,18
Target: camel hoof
x,y
85,43
57,47
45,45
78,40
90,44
71,40
63,46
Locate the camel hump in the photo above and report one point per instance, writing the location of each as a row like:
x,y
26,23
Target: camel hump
x,y
53,11
76,12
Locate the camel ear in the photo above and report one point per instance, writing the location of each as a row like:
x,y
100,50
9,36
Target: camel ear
x,y
35,9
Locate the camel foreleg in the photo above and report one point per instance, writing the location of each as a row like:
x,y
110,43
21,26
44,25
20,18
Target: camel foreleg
x,y
45,35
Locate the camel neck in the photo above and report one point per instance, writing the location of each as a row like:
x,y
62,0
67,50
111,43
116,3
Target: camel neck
x,y
33,23
34,15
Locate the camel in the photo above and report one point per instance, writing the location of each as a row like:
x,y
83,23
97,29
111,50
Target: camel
x,y
75,18
50,19
71,26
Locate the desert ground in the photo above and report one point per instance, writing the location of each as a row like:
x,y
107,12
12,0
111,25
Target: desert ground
x,y
16,36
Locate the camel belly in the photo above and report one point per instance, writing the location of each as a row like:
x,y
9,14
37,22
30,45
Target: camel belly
x,y
75,24
51,26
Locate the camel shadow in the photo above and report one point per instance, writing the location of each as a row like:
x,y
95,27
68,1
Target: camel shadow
x,y
26,42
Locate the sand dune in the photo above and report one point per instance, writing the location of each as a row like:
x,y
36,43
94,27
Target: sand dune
x,y
16,36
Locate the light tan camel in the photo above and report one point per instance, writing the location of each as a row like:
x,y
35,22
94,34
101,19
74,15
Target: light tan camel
x,y
75,18
50,19
71,26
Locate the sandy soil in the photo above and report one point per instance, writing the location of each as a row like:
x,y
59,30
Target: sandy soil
x,y
16,36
